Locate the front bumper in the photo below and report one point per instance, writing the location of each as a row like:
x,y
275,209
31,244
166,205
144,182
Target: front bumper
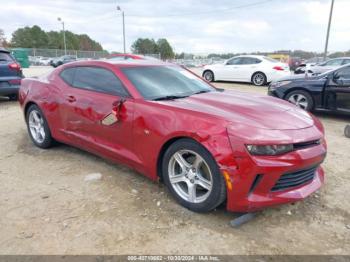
x,y
253,178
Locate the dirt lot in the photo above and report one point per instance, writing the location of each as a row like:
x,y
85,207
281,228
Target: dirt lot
x,y
47,207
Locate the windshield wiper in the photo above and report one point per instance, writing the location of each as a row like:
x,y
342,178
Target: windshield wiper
x,y
201,92
170,97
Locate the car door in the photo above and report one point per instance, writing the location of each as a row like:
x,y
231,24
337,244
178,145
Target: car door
x,y
231,69
338,89
97,112
247,66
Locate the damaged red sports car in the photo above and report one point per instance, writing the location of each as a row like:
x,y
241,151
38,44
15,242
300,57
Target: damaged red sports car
x,y
207,145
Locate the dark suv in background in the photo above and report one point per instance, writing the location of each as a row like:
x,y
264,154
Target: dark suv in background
x,y
10,75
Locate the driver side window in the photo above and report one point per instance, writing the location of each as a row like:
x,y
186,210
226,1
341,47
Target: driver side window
x,y
342,76
234,61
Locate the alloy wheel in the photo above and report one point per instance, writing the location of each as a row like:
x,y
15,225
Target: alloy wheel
x,y
36,126
299,100
208,76
258,79
190,176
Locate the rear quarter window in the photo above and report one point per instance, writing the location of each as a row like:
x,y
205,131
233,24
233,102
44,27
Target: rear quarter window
x,y
5,57
68,75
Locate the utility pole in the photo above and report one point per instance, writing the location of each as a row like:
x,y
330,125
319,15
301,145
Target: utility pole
x,y
119,9
328,29
64,35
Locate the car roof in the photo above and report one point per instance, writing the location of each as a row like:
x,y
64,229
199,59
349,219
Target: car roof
x,y
344,57
123,63
254,56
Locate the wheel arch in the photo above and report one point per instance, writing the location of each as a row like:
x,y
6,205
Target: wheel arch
x,y
26,107
297,88
209,70
251,77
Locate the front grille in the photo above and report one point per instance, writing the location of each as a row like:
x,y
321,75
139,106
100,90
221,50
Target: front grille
x,y
306,144
295,179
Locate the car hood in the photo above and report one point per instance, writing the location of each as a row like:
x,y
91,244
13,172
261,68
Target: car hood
x,y
300,77
258,111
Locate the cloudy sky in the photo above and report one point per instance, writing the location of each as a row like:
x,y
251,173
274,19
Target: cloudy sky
x,y
198,26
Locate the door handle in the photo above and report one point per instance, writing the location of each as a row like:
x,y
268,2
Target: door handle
x,y
71,99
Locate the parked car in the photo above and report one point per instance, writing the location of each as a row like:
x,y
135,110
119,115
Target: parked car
x,y
207,145
62,60
44,61
329,65
10,75
308,64
328,91
121,57
258,70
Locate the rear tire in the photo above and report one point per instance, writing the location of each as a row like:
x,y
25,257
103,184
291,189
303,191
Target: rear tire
x,y
208,76
38,128
259,79
193,176
347,131
301,99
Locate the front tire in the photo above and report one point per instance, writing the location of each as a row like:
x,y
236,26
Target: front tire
x,y
38,128
192,176
301,99
259,79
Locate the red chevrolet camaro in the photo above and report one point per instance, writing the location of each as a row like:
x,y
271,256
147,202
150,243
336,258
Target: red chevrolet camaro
x,y
208,145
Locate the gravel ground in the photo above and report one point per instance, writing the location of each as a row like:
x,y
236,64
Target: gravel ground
x,y
48,206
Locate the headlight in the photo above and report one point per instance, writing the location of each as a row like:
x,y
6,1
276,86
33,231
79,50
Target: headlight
x,y
278,84
269,150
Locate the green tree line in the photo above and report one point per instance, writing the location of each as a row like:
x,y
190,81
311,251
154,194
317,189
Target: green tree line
x,y
35,37
146,46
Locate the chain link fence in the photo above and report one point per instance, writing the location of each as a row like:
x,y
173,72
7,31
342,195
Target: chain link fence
x,y
38,56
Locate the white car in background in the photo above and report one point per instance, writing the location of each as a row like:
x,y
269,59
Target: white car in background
x,y
255,69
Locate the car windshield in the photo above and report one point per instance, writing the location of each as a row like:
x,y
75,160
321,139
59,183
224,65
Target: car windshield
x,y
157,82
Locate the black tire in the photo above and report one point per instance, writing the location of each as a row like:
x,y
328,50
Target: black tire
x,y
308,98
218,191
259,79
208,76
48,141
347,131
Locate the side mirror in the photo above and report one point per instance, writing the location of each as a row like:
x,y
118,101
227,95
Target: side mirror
x,y
114,116
117,107
337,80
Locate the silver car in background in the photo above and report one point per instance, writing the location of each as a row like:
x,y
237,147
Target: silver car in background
x,y
328,65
